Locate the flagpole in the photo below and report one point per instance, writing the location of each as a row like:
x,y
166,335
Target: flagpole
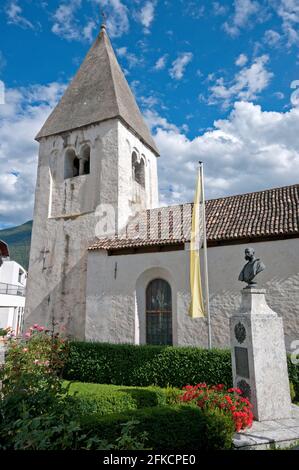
x,y
205,254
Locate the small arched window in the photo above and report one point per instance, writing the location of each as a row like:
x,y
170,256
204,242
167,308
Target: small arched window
x,y
158,312
71,164
85,155
138,170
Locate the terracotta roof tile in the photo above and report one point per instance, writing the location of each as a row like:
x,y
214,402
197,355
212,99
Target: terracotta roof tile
x,y
269,213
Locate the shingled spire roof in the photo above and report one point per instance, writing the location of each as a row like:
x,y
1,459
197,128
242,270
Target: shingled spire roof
x,y
99,91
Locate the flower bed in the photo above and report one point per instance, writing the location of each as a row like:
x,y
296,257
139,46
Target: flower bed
x,y
230,401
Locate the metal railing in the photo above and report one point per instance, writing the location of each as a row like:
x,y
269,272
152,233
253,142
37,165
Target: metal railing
x,y
11,289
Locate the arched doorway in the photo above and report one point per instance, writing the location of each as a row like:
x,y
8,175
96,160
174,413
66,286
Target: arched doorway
x,y
158,312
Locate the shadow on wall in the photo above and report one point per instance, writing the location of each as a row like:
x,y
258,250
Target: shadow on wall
x,y
65,304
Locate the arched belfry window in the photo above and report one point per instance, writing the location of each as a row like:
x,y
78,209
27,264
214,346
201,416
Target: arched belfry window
x,y
85,156
77,165
71,164
158,312
138,170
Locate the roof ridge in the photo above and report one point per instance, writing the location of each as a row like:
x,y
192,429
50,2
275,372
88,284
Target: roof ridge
x,y
229,196
254,192
104,36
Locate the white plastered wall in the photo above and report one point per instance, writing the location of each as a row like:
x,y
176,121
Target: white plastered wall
x,y
116,291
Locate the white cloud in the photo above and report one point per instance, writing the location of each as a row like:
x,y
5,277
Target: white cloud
x,y
272,38
2,61
88,30
65,22
14,16
241,60
249,151
23,115
161,62
179,65
288,11
154,121
117,19
243,12
146,15
219,9
149,101
246,85
131,58
193,9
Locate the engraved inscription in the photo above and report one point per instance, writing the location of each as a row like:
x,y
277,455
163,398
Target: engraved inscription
x,y
242,366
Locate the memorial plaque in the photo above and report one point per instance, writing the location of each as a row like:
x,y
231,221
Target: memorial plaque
x,y
242,366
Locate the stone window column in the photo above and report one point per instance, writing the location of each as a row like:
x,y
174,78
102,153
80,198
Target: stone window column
x,y
81,166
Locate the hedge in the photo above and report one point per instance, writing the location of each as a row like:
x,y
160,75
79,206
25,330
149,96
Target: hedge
x,y
124,364
168,428
107,399
294,377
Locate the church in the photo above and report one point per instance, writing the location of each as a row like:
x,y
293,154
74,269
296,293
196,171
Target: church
x,y
106,262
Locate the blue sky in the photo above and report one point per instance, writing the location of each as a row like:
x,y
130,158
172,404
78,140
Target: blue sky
x,y
213,80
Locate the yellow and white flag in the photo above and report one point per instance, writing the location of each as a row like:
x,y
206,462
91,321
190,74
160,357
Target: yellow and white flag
x,y
197,237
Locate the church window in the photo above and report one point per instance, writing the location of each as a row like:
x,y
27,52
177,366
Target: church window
x,y
85,156
138,170
76,166
71,164
158,313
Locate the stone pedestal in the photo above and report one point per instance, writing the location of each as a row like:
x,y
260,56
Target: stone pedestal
x,y
259,357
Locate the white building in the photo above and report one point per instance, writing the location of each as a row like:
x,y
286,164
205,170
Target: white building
x,y
97,174
12,291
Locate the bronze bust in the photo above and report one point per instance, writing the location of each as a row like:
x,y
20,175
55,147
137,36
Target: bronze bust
x,y
251,268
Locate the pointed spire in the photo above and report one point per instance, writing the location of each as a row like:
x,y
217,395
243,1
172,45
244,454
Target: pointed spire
x,y
98,92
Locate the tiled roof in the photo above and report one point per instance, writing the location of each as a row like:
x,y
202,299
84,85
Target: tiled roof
x,y
263,214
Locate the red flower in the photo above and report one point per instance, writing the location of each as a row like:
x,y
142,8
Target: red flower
x,y
216,397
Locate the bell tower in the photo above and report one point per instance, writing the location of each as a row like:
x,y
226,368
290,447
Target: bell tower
x,y
96,154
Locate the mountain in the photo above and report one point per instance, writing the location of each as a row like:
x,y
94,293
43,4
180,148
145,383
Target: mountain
x,y
18,240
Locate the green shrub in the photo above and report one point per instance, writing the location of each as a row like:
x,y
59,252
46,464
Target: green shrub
x,y
292,391
294,377
35,410
147,365
167,428
140,366
105,399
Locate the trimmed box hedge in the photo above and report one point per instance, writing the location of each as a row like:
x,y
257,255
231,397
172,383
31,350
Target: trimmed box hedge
x,y
106,399
168,428
141,366
126,364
